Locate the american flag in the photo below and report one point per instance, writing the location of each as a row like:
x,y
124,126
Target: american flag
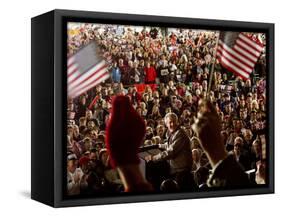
x,y
238,53
85,69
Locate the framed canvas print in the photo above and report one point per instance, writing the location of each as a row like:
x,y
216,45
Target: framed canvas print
x,y
135,108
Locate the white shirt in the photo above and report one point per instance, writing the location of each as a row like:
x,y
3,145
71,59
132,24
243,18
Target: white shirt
x,y
73,188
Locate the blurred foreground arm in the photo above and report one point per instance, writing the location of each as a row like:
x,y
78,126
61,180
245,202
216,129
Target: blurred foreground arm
x,y
208,128
124,134
226,173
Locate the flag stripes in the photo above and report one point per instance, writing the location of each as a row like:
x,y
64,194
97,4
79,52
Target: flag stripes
x,y
79,81
240,58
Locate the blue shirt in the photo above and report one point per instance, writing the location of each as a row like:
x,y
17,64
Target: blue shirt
x,y
116,75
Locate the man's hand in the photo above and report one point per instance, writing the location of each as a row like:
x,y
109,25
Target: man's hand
x,y
208,128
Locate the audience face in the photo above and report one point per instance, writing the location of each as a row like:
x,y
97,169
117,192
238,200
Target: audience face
x,y
243,114
91,125
75,131
88,144
120,62
93,134
171,124
71,165
70,132
237,146
228,108
85,168
248,135
160,131
82,121
93,156
149,132
105,159
196,155
89,114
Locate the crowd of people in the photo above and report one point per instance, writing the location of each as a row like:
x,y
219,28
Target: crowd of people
x,y
163,72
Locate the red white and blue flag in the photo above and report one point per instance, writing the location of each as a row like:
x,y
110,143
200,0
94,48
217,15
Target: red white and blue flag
x,y
238,53
85,70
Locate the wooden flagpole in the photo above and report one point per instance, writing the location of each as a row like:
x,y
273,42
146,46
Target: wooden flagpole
x,y
213,65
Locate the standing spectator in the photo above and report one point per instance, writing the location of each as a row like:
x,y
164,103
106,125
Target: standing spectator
x,y
163,68
116,73
248,139
74,175
256,153
125,76
82,106
196,157
137,74
141,71
150,74
261,173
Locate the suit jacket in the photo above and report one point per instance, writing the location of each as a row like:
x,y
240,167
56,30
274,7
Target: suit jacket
x,y
228,174
177,152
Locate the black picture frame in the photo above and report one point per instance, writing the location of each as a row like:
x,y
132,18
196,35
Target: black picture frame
x,y
48,46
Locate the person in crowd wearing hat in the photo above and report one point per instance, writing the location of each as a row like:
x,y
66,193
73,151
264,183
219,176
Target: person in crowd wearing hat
x,y
73,145
74,175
